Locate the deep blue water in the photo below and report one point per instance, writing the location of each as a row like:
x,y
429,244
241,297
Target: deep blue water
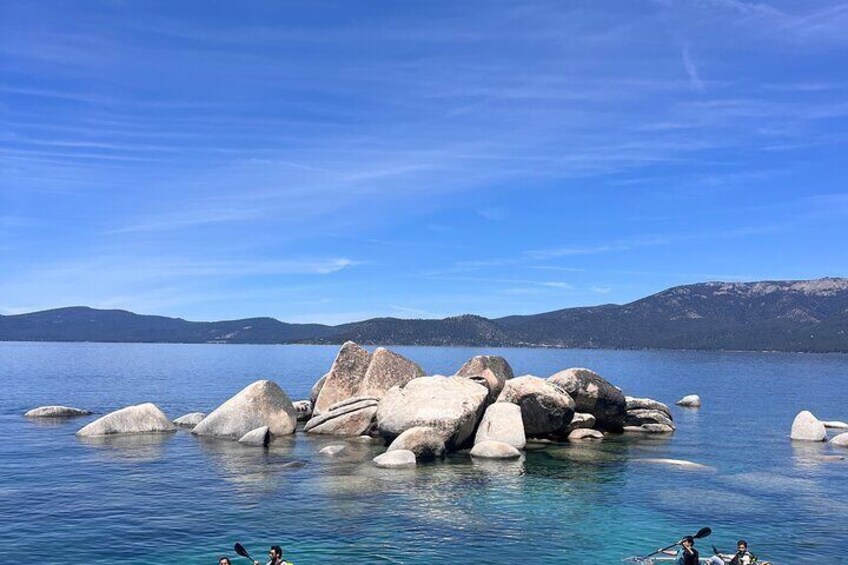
x,y
179,499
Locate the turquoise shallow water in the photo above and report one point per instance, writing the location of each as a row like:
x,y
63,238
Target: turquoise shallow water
x,y
179,499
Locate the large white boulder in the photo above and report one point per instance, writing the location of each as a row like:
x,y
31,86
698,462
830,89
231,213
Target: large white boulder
x,y
262,403
493,369
452,406
690,401
56,411
593,395
139,419
398,459
423,441
807,427
386,370
345,377
502,422
545,408
491,449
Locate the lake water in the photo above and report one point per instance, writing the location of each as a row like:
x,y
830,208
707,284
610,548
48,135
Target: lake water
x,y
179,499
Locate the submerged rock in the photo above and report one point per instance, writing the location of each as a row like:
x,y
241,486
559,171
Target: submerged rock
x,y
332,450
594,395
262,403
398,459
493,369
690,401
260,437
840,441
351,417
386,370
423,441
451,406
502,422
647,404
679,463
491,449
807,427
345,377
545,408
139,419
303,409
56,411
582,434
189,420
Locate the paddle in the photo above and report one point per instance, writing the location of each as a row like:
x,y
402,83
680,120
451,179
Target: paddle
x,y
702,533
239,548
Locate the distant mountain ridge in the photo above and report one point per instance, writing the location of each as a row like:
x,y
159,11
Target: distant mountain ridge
x,y
769,315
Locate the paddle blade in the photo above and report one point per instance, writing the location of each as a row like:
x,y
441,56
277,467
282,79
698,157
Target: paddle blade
x,y
239,548
715,550
702,533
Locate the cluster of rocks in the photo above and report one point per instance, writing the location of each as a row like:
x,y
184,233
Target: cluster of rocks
x,y
385,397
648,416
806,427
483,406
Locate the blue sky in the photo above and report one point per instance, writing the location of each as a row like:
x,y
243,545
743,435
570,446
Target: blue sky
x,y
333,161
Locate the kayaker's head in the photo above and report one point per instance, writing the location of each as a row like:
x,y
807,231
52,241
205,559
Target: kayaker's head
x,y
224,561
276,552
742,546
688,542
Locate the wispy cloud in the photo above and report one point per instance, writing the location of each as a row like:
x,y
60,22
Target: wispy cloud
x,y
691,69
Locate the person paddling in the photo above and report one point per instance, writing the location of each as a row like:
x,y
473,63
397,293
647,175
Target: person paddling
x,y
741,557
687,555
276,555
224,561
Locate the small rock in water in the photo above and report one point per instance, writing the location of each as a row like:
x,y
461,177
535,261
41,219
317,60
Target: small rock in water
x,y
366,439
836,425
260,437
581,420
582,434
332,450
491,449
840,441
690,401
397,459
56,412
807,427
190,420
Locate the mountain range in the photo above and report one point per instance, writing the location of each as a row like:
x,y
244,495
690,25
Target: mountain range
x,y
807,316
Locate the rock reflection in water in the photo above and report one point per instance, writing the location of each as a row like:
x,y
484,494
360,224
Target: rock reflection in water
x,y
250,467
129,448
